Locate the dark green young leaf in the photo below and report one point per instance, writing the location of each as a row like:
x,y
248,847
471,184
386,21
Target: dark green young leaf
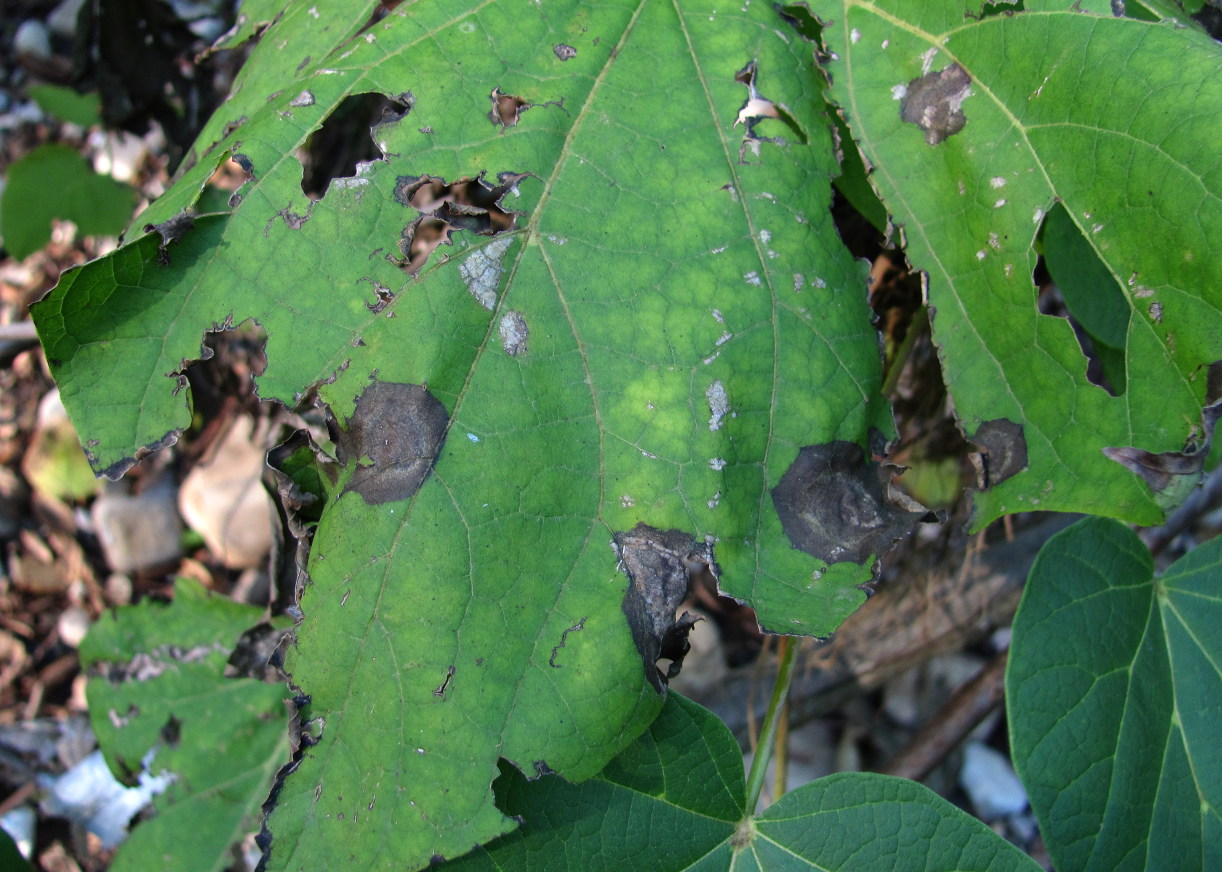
x,y
1112,691
674,800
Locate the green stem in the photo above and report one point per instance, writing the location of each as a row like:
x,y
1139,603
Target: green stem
x,y
919,324
763,751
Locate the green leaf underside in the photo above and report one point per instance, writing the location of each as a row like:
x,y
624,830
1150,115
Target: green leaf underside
x,y
1113,690
674,799
174,699
657,254
1115,119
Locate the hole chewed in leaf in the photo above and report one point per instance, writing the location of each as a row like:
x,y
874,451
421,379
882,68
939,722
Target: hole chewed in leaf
x,y
800,18
1173,474
756,110
660,565
466,204
351,135
934,102
506,108
835,505
393,437
1003,452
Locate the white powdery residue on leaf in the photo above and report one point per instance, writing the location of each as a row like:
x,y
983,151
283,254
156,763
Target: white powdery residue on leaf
x,y
999,204
717,316
305,98
899,92
765,237
927,60
1038,216
886,42
753,278
818,282
514,333
1095,228
626,502
724,338
559,240
854,36
798,281
481,271
717,463
994,242
719,404
980,255
718,250
472,437
712,504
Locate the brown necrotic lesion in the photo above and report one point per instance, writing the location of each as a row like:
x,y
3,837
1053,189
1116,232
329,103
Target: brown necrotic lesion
x,y
934,102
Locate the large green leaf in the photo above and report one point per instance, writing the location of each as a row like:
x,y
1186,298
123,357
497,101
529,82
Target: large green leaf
x,y
668,333
674,800
159,698
1114,118
1113,691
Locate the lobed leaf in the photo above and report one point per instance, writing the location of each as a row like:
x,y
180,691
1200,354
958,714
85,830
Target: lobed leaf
x,y
642,326
1113,690
675,801
975,129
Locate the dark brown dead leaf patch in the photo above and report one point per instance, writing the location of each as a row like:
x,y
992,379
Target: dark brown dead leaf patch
x,y
934,102
392,438
660,565
835,505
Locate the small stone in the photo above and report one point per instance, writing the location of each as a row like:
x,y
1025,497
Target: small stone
x,y
991,783
32,40
225,502
73,625
141,531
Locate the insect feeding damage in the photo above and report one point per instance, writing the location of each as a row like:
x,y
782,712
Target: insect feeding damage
x,y
506,108
755,110
660,565
170,232
466,204
934,102
835,505
393,438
